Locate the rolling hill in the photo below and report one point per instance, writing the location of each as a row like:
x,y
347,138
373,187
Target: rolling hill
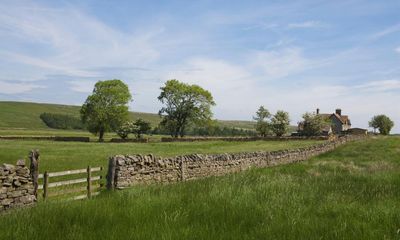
x,y
25,115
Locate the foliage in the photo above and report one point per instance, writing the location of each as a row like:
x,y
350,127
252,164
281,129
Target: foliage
x,y
383,123
61,121
141,127
184,104
280,123
349,193
107,108
125,129
313,124
263,125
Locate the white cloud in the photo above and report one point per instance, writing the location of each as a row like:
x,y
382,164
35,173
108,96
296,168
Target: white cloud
x,y
15,88
280,63
68,40
84,86
387,31
379,86
306,24
397,49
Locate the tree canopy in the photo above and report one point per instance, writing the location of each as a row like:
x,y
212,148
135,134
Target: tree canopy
x,y
383,123
313,124
280,123
107,107
184,104
263,125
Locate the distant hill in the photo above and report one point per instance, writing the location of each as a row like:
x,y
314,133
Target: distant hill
x,y
25,115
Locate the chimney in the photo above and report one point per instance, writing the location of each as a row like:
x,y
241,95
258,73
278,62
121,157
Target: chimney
x,y
317,110
339,112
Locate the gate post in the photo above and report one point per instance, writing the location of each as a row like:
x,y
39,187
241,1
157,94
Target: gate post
x,y
34,169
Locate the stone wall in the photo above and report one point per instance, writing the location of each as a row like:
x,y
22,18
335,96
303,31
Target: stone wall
x,y
125,171
241,139
16,187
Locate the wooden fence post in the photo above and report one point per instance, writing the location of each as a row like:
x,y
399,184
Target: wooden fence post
x,y
45,184
89,186
111,173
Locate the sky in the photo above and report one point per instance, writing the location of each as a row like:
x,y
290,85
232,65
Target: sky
x,y
286,55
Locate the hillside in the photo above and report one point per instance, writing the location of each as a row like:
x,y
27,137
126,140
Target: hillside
x,y
25,115
349,193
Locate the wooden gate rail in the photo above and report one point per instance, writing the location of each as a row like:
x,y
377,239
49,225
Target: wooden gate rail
x,y
89,179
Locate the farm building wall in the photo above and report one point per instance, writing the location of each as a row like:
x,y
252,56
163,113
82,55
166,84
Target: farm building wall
x,y
125,171
16,186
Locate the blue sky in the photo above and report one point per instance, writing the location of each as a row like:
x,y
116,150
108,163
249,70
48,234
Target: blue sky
x,y
290,55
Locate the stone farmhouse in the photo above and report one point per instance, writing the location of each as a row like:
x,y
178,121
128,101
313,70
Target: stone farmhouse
x,y
336,124
340,123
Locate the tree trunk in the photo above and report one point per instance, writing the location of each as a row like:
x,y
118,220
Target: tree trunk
x,y
101,135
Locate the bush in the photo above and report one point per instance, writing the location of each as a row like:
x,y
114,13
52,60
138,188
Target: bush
x,y
61,121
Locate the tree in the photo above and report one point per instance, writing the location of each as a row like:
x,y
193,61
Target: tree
x,y
184,104
125,129
263,126
107,108
141,127
383,123
280,123
313,124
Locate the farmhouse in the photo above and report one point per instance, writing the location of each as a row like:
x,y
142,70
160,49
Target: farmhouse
x,y
336,123
340,123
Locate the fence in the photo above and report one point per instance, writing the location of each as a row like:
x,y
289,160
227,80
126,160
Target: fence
x,y
78,182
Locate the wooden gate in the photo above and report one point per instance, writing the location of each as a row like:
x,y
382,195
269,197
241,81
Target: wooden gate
x,y
62,187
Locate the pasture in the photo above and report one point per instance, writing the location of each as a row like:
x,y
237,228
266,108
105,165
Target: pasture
x,y
350,193
59,156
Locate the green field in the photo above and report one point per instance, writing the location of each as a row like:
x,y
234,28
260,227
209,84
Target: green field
x,y
60,156
25,116
350,193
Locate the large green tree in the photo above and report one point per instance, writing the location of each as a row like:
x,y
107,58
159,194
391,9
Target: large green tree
x,y
313,124
107,107
280,123
263,125
184,104
383,123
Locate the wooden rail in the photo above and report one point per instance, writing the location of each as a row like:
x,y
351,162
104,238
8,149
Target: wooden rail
x,y
88,180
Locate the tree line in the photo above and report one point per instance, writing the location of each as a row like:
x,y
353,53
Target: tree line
x,y
186,108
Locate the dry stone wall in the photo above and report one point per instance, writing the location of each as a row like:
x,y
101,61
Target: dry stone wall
x,y
16,187
125,171
241,139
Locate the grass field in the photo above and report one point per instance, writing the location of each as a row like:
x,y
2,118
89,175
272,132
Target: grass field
x,y
25,116
350,193
59,156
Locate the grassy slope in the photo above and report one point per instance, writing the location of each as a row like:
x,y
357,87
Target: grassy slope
x,y
24,115
350,193
60,156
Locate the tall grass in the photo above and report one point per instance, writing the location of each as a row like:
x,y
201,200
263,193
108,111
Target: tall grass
x,y
350,193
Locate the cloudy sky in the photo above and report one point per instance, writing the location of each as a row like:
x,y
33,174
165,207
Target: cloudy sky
x,y
294,55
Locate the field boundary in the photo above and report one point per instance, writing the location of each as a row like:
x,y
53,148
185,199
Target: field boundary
x,y
47,138
242,139
129,170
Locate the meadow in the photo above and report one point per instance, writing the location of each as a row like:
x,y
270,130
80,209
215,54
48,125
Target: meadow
x,y
352,192
60,156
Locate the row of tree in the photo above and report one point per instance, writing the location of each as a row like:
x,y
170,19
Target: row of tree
x,y
106,109
268,124
186,108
